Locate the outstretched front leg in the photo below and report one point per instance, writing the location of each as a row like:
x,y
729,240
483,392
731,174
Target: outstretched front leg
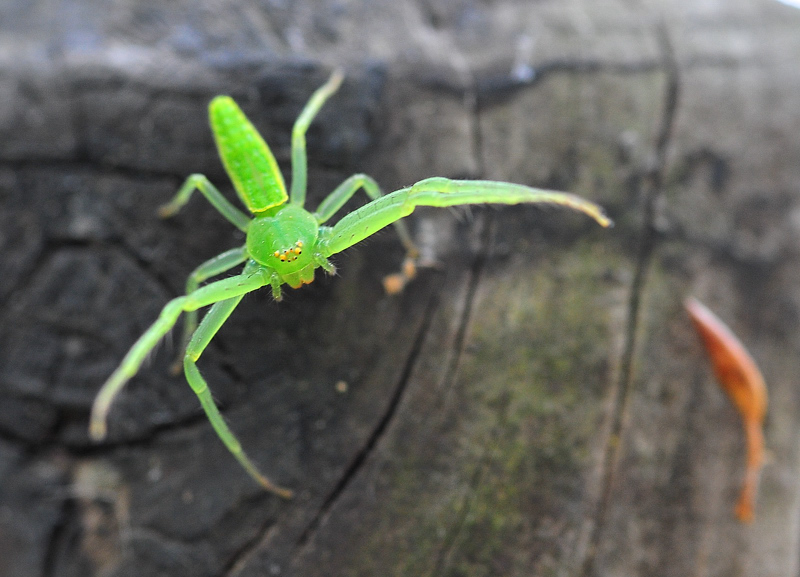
x,y
393,283
250,280
437,191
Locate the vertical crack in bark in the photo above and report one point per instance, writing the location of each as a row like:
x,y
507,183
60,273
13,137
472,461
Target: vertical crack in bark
x,y
487,224
449,378
366,450
56,538
450,539
475,276
240,559
652,190
475,273
476,131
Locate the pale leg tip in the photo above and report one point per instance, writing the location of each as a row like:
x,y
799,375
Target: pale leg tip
x,y
285,493
165,211
395,283
97,431
272,488
176,367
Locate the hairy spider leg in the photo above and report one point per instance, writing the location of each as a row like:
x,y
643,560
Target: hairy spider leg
x,y
211,323
393,283
342,193
212,267
199,182
299,164
253,279
437,191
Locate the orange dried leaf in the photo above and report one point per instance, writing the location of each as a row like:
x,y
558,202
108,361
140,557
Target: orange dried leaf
x,y
740,378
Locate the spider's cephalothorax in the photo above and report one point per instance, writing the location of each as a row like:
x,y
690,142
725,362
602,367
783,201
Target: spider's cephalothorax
x,y
286,243
284,239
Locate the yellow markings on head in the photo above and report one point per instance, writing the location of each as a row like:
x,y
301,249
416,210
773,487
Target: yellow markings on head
x,y
289,254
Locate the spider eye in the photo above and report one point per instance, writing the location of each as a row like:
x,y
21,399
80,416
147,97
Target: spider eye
x,y
289,254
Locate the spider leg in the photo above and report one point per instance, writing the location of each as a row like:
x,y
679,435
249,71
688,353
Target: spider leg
x,y
393,283
367,220
342,193
199,182
212,267
251,279
212,322
299,172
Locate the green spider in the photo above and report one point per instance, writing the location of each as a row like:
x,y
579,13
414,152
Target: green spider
x,y
286,243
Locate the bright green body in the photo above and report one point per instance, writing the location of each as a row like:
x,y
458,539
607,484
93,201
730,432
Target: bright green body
x,y
246,157
285,243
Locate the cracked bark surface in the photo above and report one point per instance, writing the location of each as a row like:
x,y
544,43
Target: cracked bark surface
x,y
535,404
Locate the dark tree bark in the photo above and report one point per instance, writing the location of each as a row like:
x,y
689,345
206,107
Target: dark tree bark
x,y
536,403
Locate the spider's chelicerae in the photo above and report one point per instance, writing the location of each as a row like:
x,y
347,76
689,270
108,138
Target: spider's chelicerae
x,y
286,243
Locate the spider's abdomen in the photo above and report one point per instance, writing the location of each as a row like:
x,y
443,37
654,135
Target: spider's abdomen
x,y
285,242
247,158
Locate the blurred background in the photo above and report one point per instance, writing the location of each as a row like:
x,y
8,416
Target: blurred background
x,y
535,402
